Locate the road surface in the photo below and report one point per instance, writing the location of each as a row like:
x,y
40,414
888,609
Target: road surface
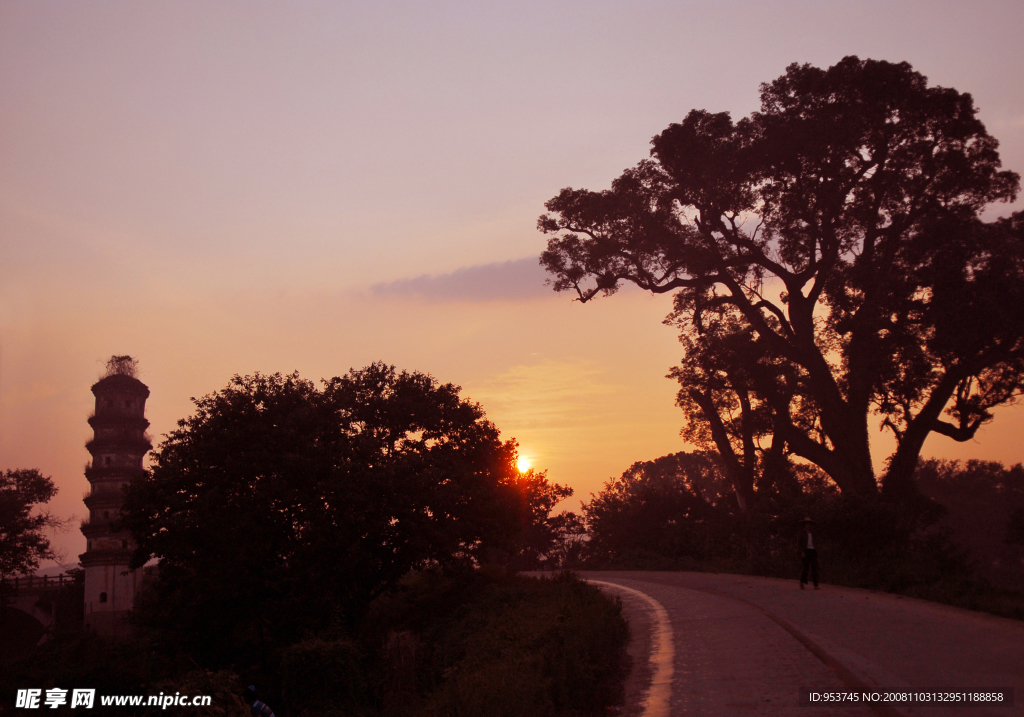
x,y
737,645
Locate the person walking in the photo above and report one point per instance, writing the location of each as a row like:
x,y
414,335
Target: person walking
x,y
808,554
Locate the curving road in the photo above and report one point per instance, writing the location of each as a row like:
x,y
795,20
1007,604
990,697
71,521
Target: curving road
x,y
716,644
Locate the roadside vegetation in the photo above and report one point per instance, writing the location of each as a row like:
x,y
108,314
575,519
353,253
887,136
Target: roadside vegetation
x,y
482,642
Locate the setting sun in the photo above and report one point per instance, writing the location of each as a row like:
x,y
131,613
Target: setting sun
x,y
523,464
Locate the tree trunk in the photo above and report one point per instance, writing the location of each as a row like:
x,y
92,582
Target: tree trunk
x,y
741,476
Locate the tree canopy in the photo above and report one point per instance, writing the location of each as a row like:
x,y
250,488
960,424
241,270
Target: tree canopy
x,y
279,503
671,506
23,542
831,270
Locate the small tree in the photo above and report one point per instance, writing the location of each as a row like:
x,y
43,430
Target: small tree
x,y
23,541
122,366
670,506
539,531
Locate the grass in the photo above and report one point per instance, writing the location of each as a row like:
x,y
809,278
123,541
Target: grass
x,y
502,645
478,643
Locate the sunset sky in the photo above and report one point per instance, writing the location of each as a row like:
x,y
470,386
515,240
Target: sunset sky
x,y
230,187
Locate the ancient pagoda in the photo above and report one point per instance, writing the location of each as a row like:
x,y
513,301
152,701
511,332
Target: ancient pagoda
x,y
118,446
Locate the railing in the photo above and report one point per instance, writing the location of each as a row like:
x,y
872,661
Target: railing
x,y
39,582
104,488
98,522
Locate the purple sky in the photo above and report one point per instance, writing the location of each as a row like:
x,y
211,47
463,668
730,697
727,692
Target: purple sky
x,y
220,188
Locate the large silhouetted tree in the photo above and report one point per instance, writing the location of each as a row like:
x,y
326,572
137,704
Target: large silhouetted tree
x,y
830,267
280,505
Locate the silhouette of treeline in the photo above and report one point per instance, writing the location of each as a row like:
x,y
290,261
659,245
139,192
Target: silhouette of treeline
x,y
350,548
961,542
984,504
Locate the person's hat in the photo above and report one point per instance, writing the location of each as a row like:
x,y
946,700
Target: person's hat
x,y
807,520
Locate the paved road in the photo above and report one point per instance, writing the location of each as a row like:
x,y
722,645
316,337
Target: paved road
x,y
743,645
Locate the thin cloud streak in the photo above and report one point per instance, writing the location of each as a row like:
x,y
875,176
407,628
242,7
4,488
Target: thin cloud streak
x,y
517,280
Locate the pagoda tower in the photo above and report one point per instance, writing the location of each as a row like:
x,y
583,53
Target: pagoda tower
x,y
118,446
